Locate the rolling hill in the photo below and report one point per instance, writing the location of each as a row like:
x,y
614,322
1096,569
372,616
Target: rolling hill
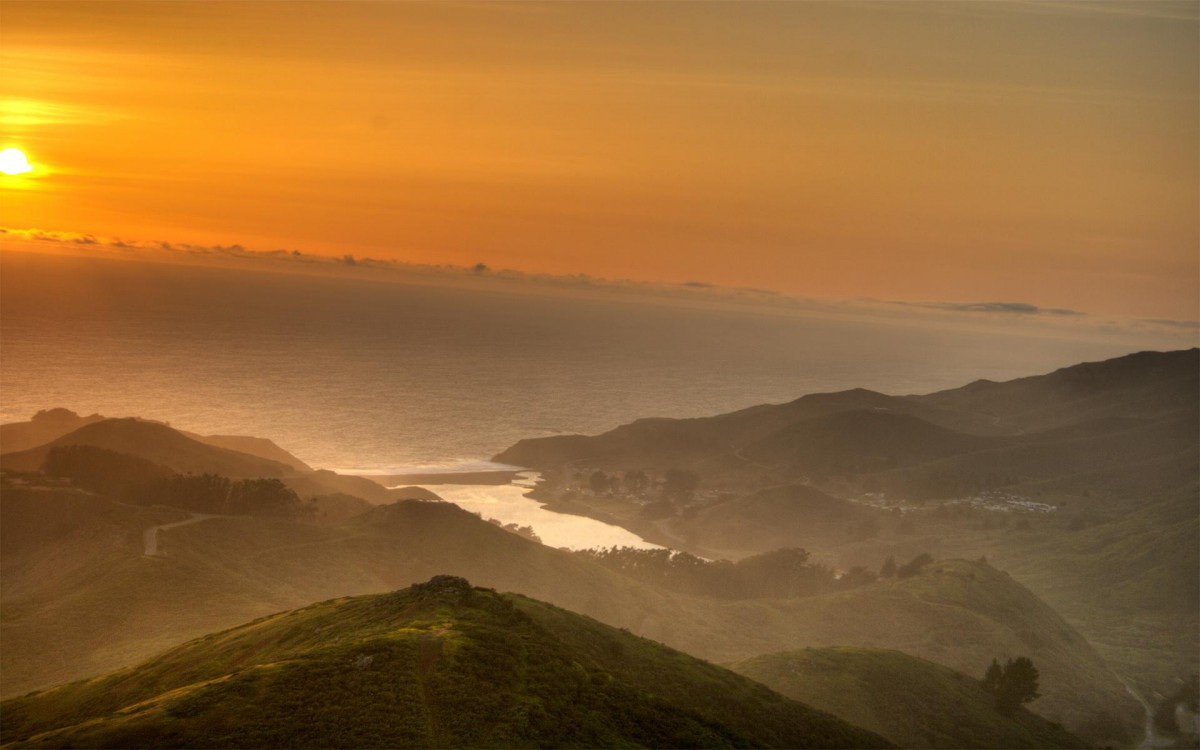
x,y
50,424
80,597
912,702
230,456
440,664
154,442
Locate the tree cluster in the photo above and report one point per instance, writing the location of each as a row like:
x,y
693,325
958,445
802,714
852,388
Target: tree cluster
x,y
516,528
677,486
908,570
782,573
135,480
1013,684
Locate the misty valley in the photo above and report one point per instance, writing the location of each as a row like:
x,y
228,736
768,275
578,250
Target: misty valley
x,y
999,565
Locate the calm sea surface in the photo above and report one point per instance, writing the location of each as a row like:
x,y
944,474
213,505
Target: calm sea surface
x,y
383,377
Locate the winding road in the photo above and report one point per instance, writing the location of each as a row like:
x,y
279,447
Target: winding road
x,y
1150,741
150,535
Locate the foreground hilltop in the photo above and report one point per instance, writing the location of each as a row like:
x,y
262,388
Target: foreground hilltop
x,y
440,664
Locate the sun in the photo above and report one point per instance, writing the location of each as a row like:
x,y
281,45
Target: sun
x,y
13,162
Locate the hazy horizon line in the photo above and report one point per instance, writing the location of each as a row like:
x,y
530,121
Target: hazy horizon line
x,y
236,256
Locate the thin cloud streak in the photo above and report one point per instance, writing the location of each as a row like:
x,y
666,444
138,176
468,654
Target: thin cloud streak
x,y
1008,308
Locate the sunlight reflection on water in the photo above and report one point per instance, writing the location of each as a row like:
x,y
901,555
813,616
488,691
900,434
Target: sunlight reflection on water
x,y
508,504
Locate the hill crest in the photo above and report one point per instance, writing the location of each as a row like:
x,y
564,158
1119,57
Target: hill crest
x,y
437,664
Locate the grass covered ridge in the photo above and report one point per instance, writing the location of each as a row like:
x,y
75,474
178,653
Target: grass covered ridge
x,y
436,665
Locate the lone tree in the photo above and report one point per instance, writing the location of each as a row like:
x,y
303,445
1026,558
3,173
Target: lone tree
x,y
889,568
1012,685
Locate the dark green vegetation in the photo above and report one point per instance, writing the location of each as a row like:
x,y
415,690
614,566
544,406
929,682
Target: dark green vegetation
x,y
913,702
1013,685
1083,483
437,665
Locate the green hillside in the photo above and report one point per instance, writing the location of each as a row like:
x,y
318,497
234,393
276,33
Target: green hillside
x,y
439,664
913,702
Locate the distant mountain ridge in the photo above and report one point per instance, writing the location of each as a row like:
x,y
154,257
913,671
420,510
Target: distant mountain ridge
x,y
50,424
154,442
233,456
1072,422
1143,385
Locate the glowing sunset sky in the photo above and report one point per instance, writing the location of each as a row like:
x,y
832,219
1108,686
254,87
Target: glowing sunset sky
x,y
1040,152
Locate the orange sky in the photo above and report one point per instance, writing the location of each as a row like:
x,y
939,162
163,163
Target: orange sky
x,y
1035,152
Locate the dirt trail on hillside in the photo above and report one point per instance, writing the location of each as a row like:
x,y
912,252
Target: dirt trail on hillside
x,y
1151,740
150,536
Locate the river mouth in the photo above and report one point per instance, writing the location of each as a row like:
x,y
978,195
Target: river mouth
x,y
509,503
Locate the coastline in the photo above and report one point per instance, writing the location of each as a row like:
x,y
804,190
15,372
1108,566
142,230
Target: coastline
x,y
646,530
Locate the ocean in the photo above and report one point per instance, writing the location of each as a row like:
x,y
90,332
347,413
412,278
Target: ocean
x,y
386,377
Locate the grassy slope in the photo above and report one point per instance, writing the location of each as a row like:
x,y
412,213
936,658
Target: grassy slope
x,y
125,606
436,665
1129,585
959,614
913,702
71,609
